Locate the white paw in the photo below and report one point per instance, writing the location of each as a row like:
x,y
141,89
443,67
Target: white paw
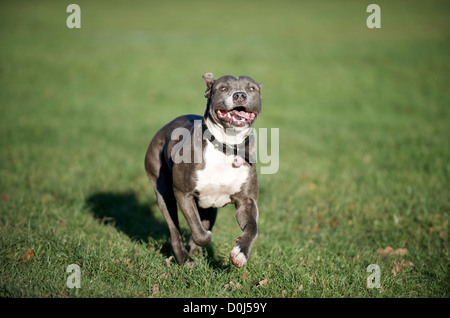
x,y
237,258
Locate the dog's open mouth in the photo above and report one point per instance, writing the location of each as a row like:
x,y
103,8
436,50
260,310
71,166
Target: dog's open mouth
x,y
238,116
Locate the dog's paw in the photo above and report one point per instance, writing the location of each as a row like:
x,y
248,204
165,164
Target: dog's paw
x,y
237,257
194,249
191,264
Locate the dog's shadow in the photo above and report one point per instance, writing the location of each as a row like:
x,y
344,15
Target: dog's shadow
x,y
123,211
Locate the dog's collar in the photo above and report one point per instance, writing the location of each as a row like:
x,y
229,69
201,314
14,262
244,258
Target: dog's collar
x,y
236,150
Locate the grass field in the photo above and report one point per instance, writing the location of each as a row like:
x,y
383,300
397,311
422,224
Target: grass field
x,y
364,124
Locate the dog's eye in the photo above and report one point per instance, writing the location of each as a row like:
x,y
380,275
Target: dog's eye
x,y
251,88
224,89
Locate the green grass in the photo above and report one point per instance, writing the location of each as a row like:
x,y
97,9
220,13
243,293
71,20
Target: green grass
x,y
363,117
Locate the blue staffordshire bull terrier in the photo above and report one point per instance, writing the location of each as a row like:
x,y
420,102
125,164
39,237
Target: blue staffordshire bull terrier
x,y
204,163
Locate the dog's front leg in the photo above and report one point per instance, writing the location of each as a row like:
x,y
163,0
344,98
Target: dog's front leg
x,y
247,217
188,206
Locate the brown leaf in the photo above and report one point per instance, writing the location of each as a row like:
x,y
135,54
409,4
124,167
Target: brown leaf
x,y
385,252
166,275
62,294
264,281
401,266
334,224
168,261
232,286
4,198
155,289
29,254
401,251
47,197
300,288
389,251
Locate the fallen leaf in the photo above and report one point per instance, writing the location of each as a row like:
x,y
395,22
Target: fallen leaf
x,y
300,288
155,289
334,224
62,294
47,197
166,275
264,281
401,266
283,293
401,251
128,261
29,254
4,198
389,251
386,251
168,261
109,220
232,286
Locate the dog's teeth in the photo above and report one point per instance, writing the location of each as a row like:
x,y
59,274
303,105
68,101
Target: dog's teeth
x,y
236,118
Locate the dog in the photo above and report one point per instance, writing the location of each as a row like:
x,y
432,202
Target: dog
x,y
218,166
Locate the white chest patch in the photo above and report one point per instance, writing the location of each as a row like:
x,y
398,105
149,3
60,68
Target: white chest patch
x,y
219,179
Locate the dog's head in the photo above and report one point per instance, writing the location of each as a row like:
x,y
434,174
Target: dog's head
x,y
233,102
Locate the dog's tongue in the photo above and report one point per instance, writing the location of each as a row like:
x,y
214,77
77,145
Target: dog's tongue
x,y
242,114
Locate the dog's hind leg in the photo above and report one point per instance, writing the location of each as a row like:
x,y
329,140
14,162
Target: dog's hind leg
x,y
161,178
168,207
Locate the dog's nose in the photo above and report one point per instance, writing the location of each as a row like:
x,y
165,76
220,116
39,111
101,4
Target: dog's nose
x,y
240,96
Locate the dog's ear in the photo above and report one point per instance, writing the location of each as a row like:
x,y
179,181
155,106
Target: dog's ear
x,y
209,81
260,86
